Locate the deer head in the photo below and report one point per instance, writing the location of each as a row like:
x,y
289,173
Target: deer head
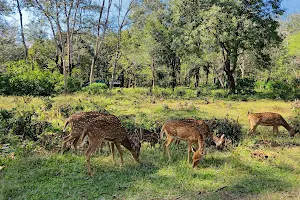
x,y
220,142
135,145
197,156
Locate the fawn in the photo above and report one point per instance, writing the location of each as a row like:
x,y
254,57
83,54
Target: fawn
x,y
78,122
148,136
101,129
268,119
189,131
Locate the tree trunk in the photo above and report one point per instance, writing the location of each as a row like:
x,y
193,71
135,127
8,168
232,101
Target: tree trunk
x,y
153,74
206,69
219,78
22,30
197,77
173,75
229,74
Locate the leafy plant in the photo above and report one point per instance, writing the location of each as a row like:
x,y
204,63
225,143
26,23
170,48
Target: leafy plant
x,y
245,86
96,88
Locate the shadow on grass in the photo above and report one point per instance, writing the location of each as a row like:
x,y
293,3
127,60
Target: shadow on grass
x,y
65,177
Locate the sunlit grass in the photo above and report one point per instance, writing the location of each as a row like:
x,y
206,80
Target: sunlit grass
x,y
242,172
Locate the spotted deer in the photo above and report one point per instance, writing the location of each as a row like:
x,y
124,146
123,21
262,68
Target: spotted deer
x,y
148,136
78,122
201,124
188,130
109,130
268,119
219,141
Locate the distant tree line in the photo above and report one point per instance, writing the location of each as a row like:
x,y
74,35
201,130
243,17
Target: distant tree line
x,y
143,43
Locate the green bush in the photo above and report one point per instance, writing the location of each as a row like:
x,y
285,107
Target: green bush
x,y
25,125
180,91
73,84
245,86
4,84
162,92
230,127
280,89
21,79
96,88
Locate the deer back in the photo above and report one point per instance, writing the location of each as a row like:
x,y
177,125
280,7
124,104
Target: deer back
x,y
79,121
267,119
112,130
181,129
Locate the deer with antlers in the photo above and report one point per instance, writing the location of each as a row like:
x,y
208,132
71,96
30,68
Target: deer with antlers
x,y
78,122
100,130
268,119
190,130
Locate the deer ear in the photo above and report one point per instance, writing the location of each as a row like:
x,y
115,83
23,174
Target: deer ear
x,y
222,136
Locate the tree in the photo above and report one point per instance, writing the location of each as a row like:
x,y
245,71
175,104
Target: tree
x,y
62,17
100,35
22,28
232,26
122,22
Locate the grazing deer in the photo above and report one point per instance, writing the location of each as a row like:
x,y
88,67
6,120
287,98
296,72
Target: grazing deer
x,y
148,136
79,121
219,141
268,119
101,129
184,130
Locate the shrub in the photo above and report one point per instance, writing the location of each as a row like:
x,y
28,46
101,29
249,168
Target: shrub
x,y
180,91
73,84
20,79
280,89
96,88
28,126
5,125
230,127
245,86
24,124
162,92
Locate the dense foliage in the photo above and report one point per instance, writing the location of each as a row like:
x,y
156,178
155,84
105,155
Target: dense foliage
x,y
231,45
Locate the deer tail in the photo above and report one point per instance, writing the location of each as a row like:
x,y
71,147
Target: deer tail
x,y
248,112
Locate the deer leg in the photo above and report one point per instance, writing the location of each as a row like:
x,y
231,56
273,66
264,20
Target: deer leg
x,y
164,147
275,129
252,129
75,143
112,149
189,150
92,147
169,141
71,137
120,152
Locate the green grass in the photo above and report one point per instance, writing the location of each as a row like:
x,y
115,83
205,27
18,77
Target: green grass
x,y
232,174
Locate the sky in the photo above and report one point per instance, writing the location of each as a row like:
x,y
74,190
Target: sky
x,y
290,6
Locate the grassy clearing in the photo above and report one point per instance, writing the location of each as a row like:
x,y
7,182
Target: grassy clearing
x,y
264,166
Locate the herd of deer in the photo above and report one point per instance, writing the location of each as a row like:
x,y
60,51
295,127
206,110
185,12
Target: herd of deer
x,y
99,127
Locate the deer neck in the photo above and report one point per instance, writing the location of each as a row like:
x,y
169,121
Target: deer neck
x,y
287,126
127,144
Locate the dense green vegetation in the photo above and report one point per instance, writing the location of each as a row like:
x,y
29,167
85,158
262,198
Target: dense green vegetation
x,y
239,47
147,61
35,169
